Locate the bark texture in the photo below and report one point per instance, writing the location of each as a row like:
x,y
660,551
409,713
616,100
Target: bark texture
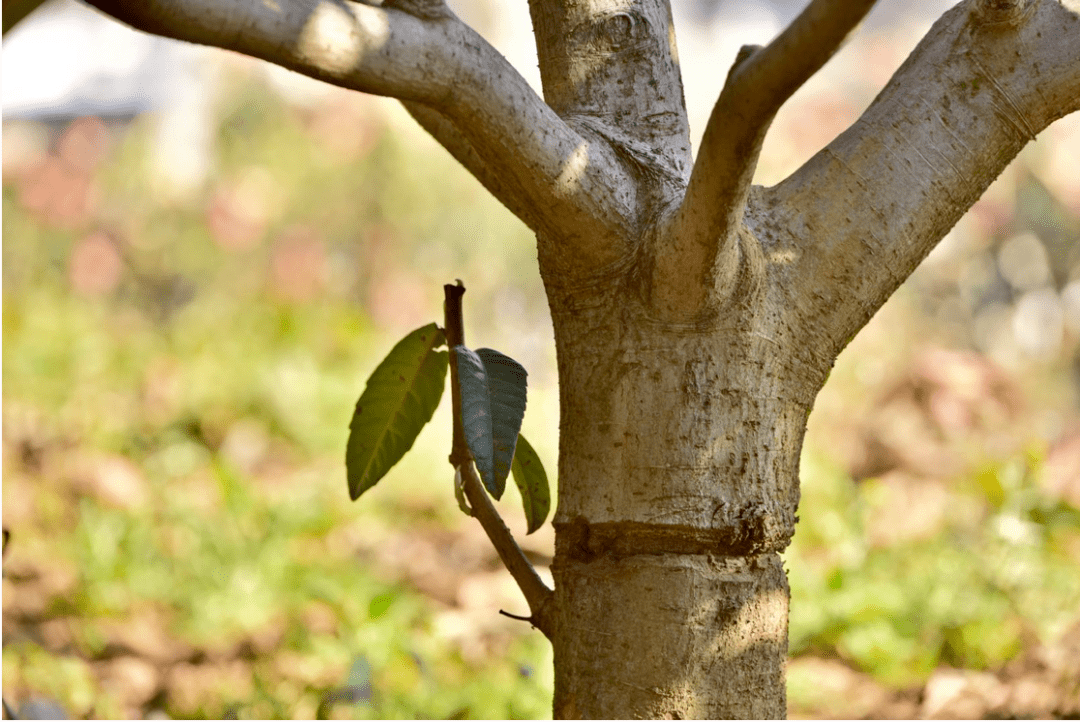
x,y
696,317
678,453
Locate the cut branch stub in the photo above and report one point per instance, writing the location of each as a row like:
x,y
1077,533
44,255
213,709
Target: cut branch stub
x,y
401,396
492,406
532,482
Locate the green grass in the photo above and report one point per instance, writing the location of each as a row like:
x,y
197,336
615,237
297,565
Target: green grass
x,y
999,574
194,351
231,400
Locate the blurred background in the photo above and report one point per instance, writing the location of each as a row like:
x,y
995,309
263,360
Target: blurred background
x,y
204,257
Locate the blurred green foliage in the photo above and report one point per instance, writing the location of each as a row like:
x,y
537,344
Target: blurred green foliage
x,y
971,595
218,345
229,385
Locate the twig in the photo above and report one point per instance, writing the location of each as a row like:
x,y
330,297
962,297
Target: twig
x,y
539,597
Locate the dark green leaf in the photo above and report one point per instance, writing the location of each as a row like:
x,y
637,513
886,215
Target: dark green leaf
x,y
532,482
492,406
401,396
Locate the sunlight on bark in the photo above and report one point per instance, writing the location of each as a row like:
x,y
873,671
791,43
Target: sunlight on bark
x,y
569,179
672,44
339,38
783,256
771,604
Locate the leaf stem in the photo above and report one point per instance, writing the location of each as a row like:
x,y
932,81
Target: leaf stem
x,y
537,594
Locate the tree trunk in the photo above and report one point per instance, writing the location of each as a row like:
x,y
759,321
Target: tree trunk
x,y
678,485
680,423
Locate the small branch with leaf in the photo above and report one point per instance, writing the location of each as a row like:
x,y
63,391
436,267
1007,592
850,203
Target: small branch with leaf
x,y
488,391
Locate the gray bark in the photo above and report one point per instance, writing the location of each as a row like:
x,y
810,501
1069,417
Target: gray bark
x,y
693,329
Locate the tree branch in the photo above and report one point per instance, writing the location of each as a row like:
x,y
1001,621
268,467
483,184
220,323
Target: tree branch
x,y
703,243
539,597
863,213
418,51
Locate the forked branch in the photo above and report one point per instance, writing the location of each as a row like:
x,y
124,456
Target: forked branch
x,y
539,597
703,241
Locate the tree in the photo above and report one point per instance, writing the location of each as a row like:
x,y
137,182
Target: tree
x,y
696,315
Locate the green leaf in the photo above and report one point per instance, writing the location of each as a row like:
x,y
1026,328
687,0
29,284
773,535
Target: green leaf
x,y
401,396
532,482
379,604
492,406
